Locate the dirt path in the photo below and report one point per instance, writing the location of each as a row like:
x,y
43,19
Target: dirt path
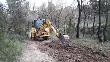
x,y
75,53
48,52
32,54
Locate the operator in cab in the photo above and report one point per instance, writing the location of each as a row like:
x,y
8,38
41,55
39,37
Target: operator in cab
x,y
38,23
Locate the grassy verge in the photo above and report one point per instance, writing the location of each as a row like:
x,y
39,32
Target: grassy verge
x,y
103,47
10,47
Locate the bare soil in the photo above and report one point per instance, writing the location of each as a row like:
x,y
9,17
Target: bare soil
x,y
40,51
31,53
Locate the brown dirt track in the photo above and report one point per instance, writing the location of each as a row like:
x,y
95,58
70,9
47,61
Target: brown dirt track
x,y
75,53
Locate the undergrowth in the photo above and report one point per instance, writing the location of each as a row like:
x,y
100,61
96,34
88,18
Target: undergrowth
x,y
10,47
103,47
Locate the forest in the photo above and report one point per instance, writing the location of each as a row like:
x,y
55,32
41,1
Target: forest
x,y
87,23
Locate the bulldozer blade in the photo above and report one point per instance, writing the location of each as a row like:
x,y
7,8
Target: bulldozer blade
x,y
64,39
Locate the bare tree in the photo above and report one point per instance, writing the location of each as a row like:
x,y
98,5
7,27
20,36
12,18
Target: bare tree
x,y
79,18
94,24
99,27
106,23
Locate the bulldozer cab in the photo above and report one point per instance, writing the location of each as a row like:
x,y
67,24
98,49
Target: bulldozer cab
x,y
42,29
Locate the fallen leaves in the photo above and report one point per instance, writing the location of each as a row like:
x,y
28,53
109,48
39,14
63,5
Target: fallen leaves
x,y
75,53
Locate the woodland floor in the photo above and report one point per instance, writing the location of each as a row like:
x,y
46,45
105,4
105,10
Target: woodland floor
x,y
45,51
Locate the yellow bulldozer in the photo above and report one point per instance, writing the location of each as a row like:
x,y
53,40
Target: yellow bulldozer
x,y
45,30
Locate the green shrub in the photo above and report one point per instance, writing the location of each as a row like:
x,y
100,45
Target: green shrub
x,y
10,48
108,32
70,31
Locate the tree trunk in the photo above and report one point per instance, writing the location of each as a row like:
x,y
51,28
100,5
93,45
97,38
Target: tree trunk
x,y
99,27
105,27
94,25
87,22
77,34
64,26
70,25
84,25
